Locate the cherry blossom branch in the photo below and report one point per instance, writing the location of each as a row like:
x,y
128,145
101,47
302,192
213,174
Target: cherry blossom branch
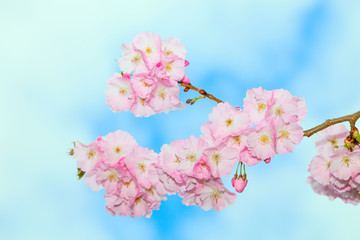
x,y
352,118
188,86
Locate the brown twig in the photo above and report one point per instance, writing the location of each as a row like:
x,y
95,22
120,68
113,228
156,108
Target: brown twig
x,y
352,118
188,86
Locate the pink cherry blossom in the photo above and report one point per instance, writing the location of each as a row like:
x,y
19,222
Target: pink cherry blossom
x,y
256,103
319,169
119,93
166,98
87,156
330,139
116,146
141,163
227,120
282,106
345,164
261,140
143,85
109,178
287,136
221,160
208,195
173,46
132,60
142,108
149,45
189,153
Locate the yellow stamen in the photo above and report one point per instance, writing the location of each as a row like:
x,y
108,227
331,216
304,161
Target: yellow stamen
x,y
264,139
328,164
127,183
346,160
113,177
237,140
216,157
228,122
141,166
162,93
148,50
135,59
117,149
91,154
142,100
284,134
150,190
168,66
123,91
146,84
137,200
191,157
261,107
216,195
333,141
278,111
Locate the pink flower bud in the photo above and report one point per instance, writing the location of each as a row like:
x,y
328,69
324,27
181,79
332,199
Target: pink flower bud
x,y
201,169
267,160
185,80
186,63
126,75
239,184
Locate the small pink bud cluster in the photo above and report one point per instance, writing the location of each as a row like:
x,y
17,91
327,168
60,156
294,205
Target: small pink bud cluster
x,y
275,117
335,172
151,69
128,172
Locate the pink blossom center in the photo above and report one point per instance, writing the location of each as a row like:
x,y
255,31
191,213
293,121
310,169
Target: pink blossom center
x,y
229,122
261,107
237,140
91,154
168,66
264,139
123,91
191,157
136,59
216,195
216,157
113,177
278,111
346,161
141,166
284,134
148,50
117,150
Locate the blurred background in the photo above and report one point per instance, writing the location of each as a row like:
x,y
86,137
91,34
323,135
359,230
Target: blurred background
x,y
56,56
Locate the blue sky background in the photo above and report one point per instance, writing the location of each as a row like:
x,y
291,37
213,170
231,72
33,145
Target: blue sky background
x,y
56,57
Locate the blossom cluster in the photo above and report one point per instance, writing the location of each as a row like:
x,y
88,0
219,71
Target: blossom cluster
x,y
148,83
128,172
268,125
335,171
